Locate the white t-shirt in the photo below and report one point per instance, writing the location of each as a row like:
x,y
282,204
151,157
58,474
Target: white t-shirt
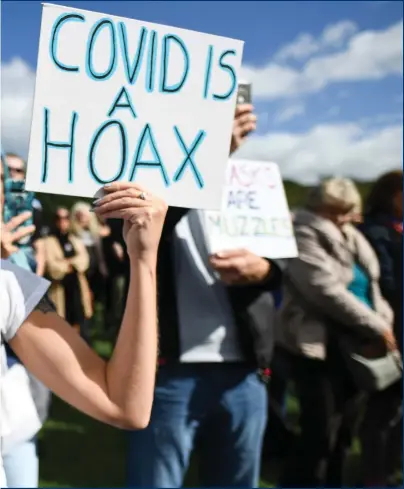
x,y
20,292
207,328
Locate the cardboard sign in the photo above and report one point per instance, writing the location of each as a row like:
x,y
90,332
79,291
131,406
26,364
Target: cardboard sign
x,y
255,213
120,99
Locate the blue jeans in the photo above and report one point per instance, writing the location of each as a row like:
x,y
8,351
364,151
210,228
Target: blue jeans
x,y
21,465
221,407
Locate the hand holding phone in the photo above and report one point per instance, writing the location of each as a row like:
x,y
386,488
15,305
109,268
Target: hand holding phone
x,y
244,95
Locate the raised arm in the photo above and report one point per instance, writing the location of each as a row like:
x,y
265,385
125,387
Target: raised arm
x,y
119,392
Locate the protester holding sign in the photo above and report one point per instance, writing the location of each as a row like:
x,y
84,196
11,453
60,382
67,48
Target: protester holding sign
x,y
216,342
119,392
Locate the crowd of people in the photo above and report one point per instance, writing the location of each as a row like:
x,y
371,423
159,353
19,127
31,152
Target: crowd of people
x,y
236,332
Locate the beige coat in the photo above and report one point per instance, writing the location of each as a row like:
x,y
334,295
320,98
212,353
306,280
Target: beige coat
x,y
57,268
315,288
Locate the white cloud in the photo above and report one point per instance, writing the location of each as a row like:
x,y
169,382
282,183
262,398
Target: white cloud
x,y
289,112
302,47
305,45
344,149
17,91
369,55
336,34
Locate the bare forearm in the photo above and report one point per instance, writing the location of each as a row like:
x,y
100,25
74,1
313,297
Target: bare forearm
x,y
40,266
40,257
132,369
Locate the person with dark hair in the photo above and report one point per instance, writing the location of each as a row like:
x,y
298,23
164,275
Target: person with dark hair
x,y
381,432
66,265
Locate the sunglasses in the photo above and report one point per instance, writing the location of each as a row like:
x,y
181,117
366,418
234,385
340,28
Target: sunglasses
x,y
16,170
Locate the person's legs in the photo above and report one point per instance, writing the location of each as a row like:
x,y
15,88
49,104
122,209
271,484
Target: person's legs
x,y
306,465
279,435
21,465
159,455
381,446
231,440
85,330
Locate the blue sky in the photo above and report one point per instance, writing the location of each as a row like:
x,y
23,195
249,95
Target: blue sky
x,y
327,76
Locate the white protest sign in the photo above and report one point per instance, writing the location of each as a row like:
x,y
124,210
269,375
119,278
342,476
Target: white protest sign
x,y
255,213
121,99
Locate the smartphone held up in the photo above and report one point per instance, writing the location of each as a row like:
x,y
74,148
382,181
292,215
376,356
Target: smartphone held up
x,y
244,95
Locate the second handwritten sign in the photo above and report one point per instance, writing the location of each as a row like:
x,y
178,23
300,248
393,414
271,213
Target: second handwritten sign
x,y
255,213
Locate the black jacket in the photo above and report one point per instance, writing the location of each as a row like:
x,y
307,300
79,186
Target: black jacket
x,y
252,305
388,245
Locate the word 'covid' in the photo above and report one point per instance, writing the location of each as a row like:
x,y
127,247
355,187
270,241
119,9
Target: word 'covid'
x,y
143,56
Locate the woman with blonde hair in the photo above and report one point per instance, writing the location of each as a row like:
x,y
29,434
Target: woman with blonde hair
x,y
86,227
331,292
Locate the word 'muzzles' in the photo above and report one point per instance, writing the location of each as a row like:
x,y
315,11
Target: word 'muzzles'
x,y
143,56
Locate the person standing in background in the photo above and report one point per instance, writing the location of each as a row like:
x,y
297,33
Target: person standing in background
x,y
67,262
114,255
34,247
381,433
16,166
86,227
331,294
